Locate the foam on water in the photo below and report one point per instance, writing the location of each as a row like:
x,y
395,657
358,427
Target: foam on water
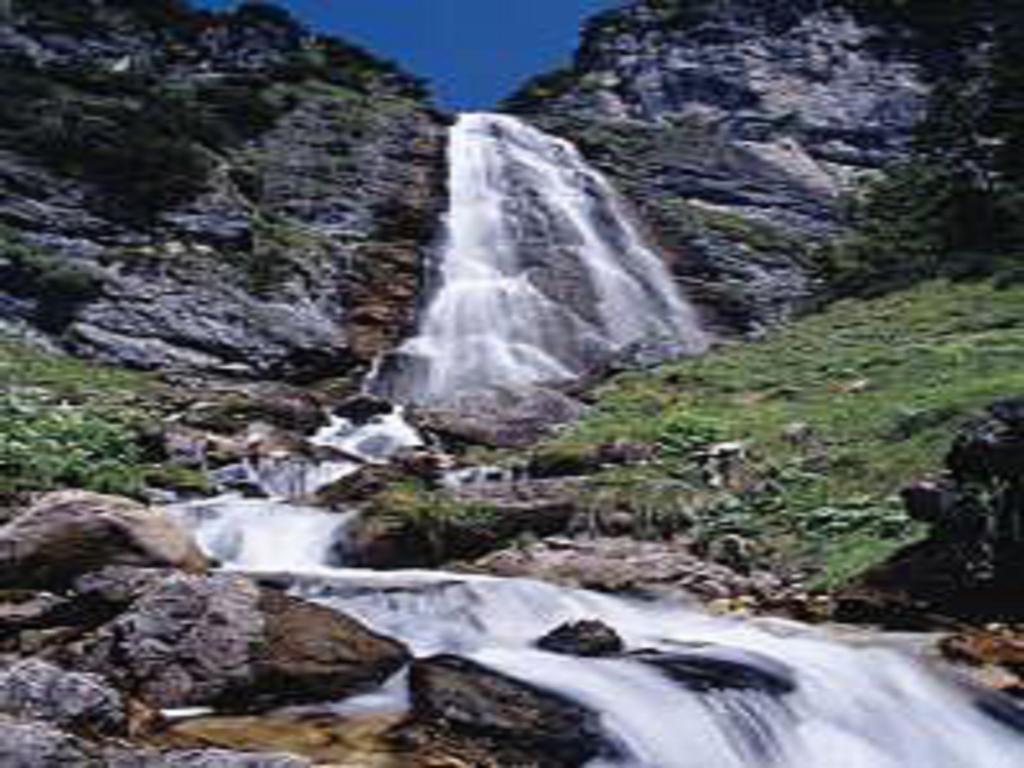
x,y
850,708
542,277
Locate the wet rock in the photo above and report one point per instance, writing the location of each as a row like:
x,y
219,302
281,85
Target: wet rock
x,y
68,533
362,407
501,417
390,534
471,700
717,668
220,640
359,486
583,638
36,690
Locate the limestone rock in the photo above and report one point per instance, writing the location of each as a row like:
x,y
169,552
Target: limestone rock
x,y
221,640
68,533
34,689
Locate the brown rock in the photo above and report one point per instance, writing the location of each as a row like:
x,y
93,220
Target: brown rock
x,y
68,533
221,640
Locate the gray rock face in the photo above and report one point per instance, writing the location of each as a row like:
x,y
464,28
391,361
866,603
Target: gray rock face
x,y
69,533
223,641
734,129
281,241
33,689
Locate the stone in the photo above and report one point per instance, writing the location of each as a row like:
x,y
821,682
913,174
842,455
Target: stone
x,y
33,744
36,690
68,533
583,638
474,701
501,417
222,641
717,668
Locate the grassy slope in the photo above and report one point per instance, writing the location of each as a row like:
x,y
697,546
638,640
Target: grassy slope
x,y
67,423
881,384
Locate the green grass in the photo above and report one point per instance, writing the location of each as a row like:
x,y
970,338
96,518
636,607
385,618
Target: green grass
x,y
67,423
881,386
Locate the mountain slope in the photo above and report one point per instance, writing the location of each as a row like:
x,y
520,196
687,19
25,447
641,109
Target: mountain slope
x,y
219,193
737,128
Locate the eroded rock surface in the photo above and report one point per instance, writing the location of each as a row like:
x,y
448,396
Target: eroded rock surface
x,y
69,533
221,640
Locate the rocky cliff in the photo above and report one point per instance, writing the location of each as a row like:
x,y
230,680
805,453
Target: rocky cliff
x,y
223,193
736,127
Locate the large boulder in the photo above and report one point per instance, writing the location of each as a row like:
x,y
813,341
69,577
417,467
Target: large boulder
x,y
529,724
69,533
501,417
222,640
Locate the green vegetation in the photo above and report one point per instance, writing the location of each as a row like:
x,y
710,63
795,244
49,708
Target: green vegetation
x,y
146,138
58,285
66,423
836,412
434,526
956,207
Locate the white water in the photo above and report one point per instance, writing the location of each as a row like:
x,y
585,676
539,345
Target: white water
x,y
851,708
542,277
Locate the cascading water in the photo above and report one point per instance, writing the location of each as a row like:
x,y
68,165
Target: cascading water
x,y
807,702
541,279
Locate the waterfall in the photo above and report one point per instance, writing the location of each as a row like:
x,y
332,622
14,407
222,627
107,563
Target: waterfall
x,y
541,278
830,704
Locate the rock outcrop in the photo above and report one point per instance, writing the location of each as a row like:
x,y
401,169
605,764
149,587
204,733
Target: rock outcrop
x,y
734,128
514,719
34,689
221,640
223,193
69,533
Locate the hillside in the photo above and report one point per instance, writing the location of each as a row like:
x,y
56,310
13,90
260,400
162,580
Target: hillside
x,y
218,193
835,414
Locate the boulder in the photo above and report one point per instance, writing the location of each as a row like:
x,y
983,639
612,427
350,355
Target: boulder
x,y
68,533
583,638
34,744
34,689
223,641
501,417
475,702
717,668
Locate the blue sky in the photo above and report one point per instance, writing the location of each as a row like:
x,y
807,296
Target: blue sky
x,y
474,52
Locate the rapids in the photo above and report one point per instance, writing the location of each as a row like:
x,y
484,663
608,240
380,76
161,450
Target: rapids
x,y
849,707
